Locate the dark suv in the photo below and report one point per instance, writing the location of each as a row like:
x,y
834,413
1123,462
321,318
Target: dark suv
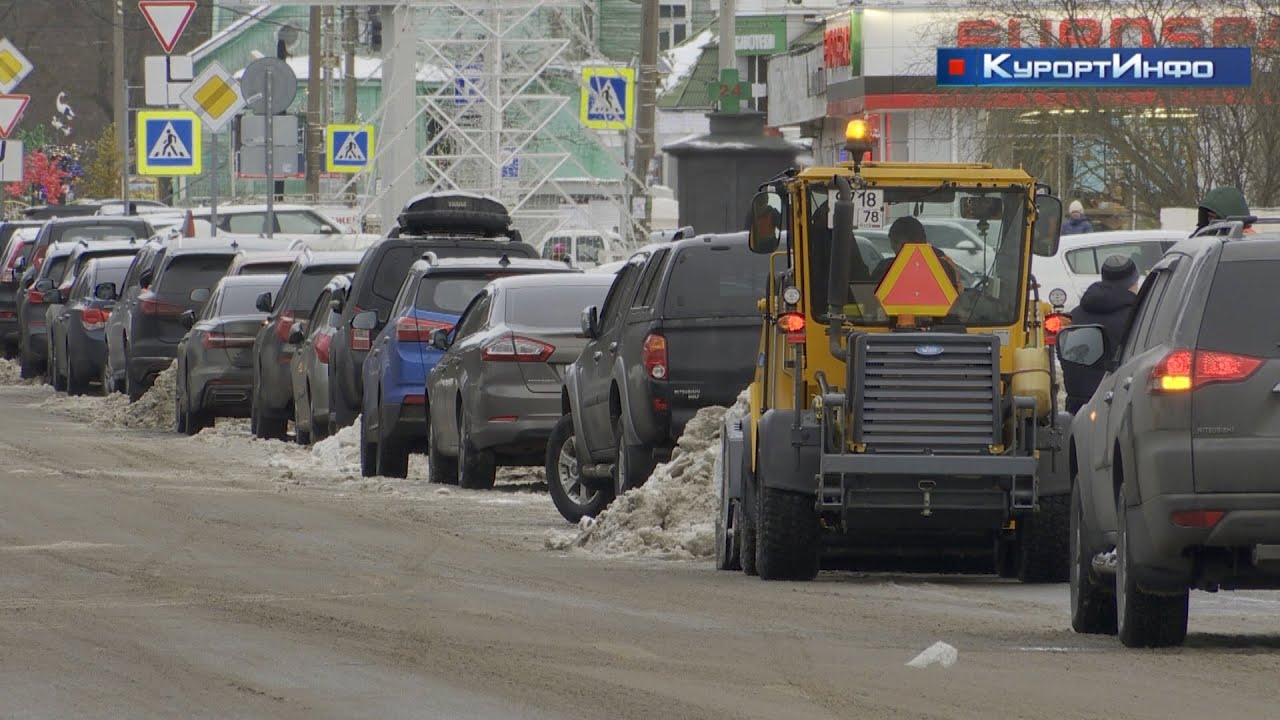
x,y
1174,457
448,224
128,298
272,399
89,230
678,331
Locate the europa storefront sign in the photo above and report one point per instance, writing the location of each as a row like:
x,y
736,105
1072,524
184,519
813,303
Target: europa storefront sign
x,y
1077,67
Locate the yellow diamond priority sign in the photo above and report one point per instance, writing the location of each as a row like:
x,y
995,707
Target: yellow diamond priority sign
x,y
14,66
916,284
214,96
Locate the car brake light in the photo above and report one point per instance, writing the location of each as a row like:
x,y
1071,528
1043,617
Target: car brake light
x,y
94,318
414,400
418,330
654,356
1053,324
284,324
360,339
35,297
323,342
513,348
214,340
149,305
1183,370
1196,518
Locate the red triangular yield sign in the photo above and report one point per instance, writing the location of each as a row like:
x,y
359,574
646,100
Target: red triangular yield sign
x,y
11,107
916,284
167,18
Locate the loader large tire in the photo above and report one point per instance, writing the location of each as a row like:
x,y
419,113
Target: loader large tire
x,y
1044,542
746,540
786,536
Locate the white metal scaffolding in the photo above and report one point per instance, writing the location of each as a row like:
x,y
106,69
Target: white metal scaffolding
x,y
482,96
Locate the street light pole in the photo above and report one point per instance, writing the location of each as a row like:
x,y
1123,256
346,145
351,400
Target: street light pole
x,y
121,85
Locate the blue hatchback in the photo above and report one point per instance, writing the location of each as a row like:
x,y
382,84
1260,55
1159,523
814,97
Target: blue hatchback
x,y
394,375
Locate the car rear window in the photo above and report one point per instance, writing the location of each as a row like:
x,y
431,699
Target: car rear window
x,y
243,299
312,284
95,233
708,282
86,257
186,273
450,293
551,308
279,268
393,267
110,274
1236,285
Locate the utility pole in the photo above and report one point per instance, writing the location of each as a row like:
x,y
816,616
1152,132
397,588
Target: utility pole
x,y
315,86
121,87
728,55
349,27
645,130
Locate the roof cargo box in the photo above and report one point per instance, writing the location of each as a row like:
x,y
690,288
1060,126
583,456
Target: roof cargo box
x,y
454,213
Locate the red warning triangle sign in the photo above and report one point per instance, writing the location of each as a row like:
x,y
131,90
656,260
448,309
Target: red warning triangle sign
x,y
916,284
167,18
11,108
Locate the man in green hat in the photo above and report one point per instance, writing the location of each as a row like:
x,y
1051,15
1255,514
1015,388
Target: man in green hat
x,y
1221,203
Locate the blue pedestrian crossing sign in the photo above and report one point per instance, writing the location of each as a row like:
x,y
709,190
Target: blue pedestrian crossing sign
x,y
608,98
348,148
169,143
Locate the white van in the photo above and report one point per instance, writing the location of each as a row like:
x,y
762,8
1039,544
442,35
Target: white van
x,y
588,248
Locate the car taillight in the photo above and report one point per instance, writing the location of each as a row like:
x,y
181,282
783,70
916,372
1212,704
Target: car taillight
x,y
513,348
214,340
418,330
1183,370
149,305
414,400
1053,324
654,356
94,319
323,342
35,297
284,324
1196,518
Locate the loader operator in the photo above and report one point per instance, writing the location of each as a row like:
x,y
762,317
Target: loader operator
x,y
908,229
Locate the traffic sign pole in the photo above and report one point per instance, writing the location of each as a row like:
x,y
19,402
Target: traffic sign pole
x,y
213,185
270,220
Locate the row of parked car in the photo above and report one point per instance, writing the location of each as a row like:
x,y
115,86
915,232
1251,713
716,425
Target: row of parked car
x,y
449,337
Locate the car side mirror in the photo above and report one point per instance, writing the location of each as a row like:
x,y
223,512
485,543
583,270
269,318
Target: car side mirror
x,y
188,319
968,246
263,303
199,295
1047,229
297,333
440,339
366,320
765,230
44,285
591,322
1083,345
105,291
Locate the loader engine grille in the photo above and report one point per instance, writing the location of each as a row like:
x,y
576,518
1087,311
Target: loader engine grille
x,y
933,393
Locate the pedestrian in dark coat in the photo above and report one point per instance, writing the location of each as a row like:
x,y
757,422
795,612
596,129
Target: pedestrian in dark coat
x,y
1109,303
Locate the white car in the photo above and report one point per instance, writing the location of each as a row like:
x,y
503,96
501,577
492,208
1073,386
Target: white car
x,y
1064,277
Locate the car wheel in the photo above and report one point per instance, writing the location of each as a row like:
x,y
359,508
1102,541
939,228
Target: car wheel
x,y
180,409
108,377
727,535
317,430
634,463
477,469
50,365
787,542
572,498
368,451
746,539
1043,540
392,455
301,429
1093,604
440,469
76,385
265,427
1144,619
27,368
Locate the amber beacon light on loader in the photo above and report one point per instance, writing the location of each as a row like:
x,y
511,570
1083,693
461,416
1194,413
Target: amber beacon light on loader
x,y
904,403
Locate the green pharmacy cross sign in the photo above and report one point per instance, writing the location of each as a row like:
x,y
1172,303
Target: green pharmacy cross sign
x,y
728,92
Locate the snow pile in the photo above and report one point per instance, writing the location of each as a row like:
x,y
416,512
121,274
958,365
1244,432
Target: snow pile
x,y
11,374
338,454
153,411
939,653
672,516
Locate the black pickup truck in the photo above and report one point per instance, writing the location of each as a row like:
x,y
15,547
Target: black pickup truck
x,y
678,331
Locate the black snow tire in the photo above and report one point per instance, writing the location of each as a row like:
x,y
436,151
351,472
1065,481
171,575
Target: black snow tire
x,y
728,556
1145,619
179,411
368,452
634,463
1093,603
1044,540
746,540
265,427
440,469
1006,557
477,469
76,385
563,440
393,458
786,536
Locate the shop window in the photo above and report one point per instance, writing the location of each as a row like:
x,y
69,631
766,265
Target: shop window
x,y
673,24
